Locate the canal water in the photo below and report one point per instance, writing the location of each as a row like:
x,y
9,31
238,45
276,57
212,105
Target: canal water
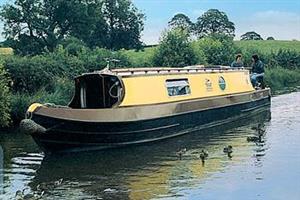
x,y
266,169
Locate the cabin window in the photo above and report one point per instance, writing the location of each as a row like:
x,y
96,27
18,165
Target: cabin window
x,y
177,87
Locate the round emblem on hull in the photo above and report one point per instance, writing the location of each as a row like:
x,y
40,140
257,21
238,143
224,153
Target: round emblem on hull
x,y
222,83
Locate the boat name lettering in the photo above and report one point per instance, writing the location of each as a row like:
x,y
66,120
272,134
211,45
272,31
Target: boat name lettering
x,y
208,84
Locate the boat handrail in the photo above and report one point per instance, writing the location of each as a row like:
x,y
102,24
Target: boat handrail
x,y
189,69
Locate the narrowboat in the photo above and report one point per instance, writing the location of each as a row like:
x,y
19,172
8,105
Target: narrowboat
x,y
112,108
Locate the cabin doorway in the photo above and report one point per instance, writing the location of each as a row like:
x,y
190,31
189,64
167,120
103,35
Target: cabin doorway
x,y
97,91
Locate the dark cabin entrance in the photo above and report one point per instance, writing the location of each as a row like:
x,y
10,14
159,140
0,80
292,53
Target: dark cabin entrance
x,y
97,91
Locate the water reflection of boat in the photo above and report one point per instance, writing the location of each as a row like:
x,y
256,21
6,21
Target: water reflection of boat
x,y
146,171
130,106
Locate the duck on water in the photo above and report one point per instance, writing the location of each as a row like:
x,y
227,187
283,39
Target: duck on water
x,y
112,108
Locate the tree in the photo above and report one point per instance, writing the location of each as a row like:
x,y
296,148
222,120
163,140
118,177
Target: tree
x,y
125,24
34,26
270,38
4,98
37,26
90,27
251,36
181,21
214,21
175,50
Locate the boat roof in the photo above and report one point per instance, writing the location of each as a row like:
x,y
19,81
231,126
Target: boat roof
x,y
126,72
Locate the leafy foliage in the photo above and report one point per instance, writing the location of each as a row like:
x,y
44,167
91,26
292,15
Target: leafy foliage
x,y
181,21
175,50
279,78
251,36
214,21
35,26
31,74
73,45
287,59
61,94
124,22
218,49
4,98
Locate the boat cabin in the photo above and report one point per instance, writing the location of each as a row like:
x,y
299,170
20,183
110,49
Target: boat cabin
x,y
144,86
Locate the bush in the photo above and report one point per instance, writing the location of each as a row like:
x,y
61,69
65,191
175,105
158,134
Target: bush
x,y
62,93
30,74
73,45
19,105
289,59
217,49
200,54
279,78
175,50
4,98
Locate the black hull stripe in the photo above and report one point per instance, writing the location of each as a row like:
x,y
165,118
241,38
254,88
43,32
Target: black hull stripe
x,y
256,107
121,132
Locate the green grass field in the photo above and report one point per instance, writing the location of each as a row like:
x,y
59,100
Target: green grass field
x,y
6,51
268,46
143,58
140,58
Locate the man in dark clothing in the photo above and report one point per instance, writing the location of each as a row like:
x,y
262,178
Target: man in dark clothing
x,y
257,71
238,61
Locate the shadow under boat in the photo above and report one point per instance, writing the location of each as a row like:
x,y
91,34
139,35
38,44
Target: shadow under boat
x,y
130,169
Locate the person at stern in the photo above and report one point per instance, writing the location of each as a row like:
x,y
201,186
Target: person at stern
x,y
238,61
257,76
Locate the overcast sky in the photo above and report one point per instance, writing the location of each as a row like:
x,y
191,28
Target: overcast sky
x,y
277,18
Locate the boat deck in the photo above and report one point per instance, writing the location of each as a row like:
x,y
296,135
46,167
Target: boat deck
x,y
167,70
